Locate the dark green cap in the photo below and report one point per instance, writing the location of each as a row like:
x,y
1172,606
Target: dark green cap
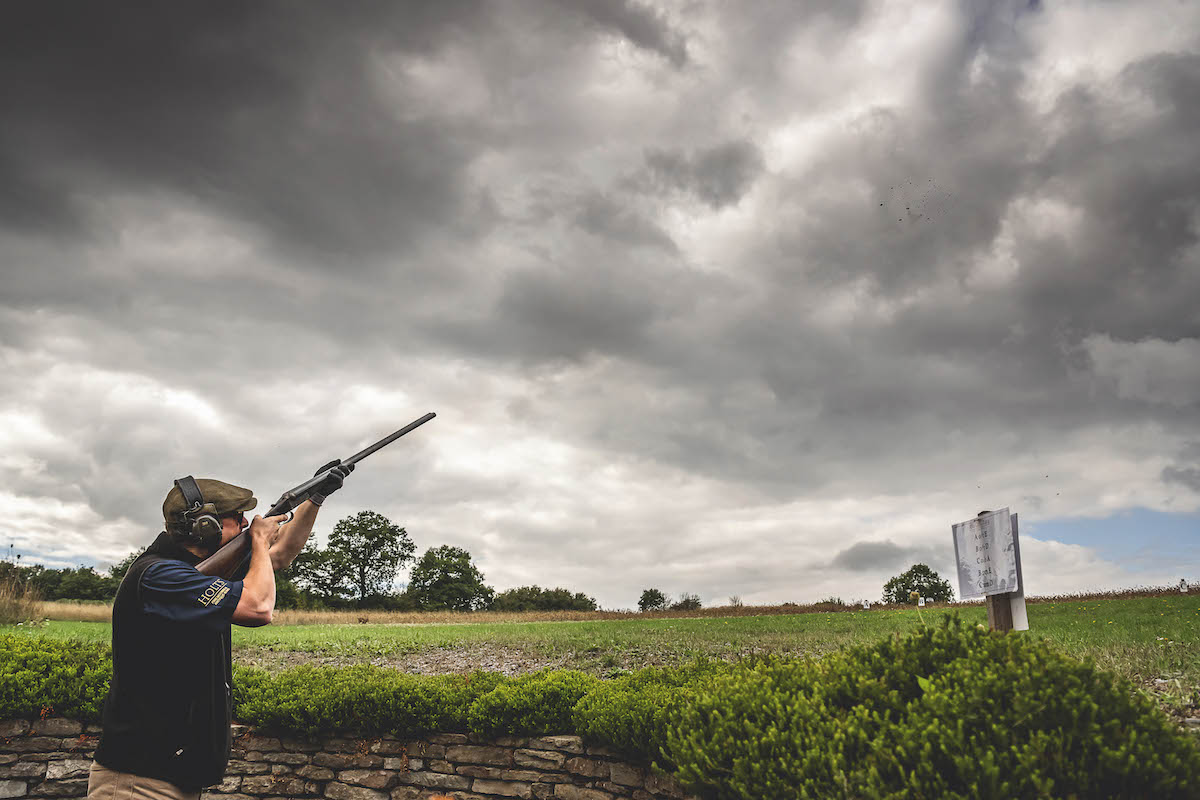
x,y
224,498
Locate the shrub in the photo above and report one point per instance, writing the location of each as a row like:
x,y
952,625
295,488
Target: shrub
x,y
829,604
535,598
41,676
686,602
630,714
947,712
360,699
535,704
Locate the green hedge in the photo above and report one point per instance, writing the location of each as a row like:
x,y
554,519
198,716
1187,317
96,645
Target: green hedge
x,y
947,712
630,714
952,711
534,704
315,701
41,677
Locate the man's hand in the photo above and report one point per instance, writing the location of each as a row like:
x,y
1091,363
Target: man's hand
x,y
266,529
337,475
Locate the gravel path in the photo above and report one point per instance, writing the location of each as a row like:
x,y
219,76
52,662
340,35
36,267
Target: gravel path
x,y
434,661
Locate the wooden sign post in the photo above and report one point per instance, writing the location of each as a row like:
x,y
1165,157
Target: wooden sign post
x,y
987,551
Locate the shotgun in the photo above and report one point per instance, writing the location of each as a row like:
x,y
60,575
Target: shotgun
x,y
226,561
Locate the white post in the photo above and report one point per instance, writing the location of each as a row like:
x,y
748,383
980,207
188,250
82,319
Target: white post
x,y
1020,617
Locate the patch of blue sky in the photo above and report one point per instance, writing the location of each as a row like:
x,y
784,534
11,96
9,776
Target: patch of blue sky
x,y
1139,539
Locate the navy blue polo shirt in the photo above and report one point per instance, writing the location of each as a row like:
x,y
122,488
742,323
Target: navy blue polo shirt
x,y
176,591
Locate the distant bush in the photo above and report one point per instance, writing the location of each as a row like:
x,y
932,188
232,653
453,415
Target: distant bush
x,y
686,602
535,598
945,712
830,604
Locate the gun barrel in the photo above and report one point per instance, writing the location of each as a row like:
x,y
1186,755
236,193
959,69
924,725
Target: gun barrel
x,y
228,559
384,442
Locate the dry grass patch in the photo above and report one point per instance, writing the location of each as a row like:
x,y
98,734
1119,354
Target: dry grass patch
x,y
75,611
18,602
84,611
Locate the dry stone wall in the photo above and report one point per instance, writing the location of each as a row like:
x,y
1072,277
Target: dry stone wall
x,y
52,757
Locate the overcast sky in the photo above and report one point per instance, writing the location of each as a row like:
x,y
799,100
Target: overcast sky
x,y
751,298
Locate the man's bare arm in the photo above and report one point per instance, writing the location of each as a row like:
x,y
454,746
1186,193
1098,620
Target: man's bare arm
x,y
293,535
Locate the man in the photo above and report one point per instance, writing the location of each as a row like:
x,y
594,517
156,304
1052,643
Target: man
x,y
166,722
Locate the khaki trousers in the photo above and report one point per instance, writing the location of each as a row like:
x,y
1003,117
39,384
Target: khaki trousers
x,y
107,784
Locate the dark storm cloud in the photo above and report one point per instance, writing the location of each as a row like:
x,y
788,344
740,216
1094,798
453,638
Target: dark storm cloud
x,y
718,175
1184,476
266,111
566,314
1131,267
638,23
617,222
884,555
928,344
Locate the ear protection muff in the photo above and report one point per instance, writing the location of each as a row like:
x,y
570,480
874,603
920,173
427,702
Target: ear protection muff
x,y
200,520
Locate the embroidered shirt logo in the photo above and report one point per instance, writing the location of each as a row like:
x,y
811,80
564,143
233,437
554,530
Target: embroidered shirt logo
x,y
215,593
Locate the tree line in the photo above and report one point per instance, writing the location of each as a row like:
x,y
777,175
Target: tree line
x,y
356,569
907,587
365,553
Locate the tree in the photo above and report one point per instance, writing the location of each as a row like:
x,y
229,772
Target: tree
x,y
445,578
287,593
535,598
652,600
320,573
117,571
373,549
920,579
82,583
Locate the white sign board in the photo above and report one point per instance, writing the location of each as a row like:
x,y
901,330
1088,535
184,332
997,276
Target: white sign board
x,y
985,550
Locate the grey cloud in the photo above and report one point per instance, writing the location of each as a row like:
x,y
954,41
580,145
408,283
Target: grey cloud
x,y
266,112
1152,369
639,23
564,315
886,555
718,175
610,220
1184,476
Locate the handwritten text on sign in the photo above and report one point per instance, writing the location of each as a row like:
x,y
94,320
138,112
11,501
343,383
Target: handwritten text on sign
x,y
985,550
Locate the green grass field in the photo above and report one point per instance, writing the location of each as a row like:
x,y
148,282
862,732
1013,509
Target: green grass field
x,y
1153,641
